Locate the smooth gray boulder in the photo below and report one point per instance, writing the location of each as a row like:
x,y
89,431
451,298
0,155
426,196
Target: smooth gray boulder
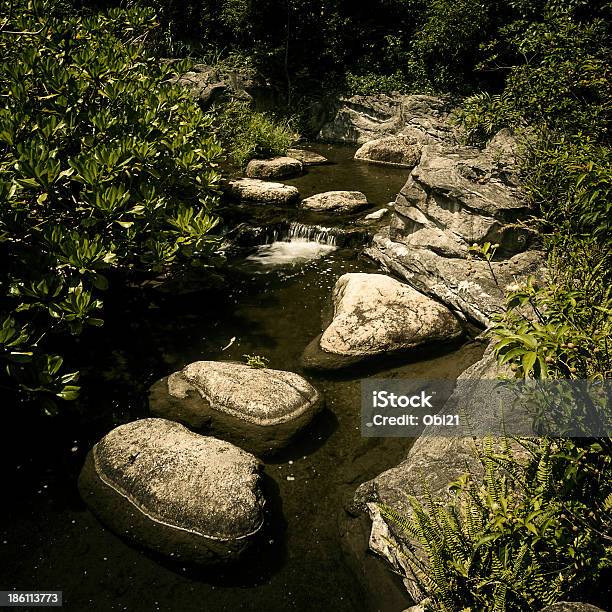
x,y
261,192
259,409
375,315
188,497
399,151
308,158
358,119
336,202
275,168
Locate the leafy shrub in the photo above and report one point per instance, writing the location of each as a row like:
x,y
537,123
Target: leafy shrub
x,y
107,175
559,81
368,84
525,534
247,134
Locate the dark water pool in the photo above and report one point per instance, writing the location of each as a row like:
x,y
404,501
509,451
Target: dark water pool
x,y
315,557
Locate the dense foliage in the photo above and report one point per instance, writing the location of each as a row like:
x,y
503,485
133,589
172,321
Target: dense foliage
x,y
560,99
246,134
107,176
527,533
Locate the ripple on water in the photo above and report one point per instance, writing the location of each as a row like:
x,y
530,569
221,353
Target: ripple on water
x,y
291,252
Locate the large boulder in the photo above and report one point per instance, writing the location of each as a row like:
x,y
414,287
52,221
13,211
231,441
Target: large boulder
x,y
336,201
435,460
261,192
275,168
358,119
259,409
456,197
466,285
399,151
308,158
185,496
374,315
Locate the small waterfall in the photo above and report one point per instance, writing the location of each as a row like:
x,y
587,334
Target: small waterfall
x,y
293,243
305,233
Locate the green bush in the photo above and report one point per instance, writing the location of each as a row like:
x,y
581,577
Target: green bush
x,y
108,174
371,83
247,134
559,81
524,534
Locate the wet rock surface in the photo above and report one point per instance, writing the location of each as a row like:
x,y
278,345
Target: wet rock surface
x,y
374,315
259,409
261,192
336,201
307,157
185,496
400,151
275,168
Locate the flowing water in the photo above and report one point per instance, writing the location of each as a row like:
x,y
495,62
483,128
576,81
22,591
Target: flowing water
x,y
270,303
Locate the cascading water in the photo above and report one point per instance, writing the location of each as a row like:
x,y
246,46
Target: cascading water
x,y
296,243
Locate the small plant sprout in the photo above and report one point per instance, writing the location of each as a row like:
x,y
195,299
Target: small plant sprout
x,y
256,361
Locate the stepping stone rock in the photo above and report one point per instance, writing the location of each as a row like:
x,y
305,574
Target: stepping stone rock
x,y
336,201
185,496
376,315
308,158
378,214
263,192
257,408
399,151
276,168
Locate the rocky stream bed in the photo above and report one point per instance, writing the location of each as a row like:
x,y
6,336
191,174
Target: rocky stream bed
x,y
332,277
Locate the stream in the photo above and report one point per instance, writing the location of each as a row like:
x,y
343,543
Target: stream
x,y
270,304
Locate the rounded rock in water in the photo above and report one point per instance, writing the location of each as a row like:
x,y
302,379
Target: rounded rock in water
x,y
182,495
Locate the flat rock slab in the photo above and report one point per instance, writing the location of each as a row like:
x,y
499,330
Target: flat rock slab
x,y
308,158
398,151
262,192
185,496
259,409
465,285
375,314
376,215
275,168
336,202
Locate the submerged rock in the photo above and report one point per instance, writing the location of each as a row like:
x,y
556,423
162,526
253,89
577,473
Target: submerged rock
x,y
400,151
264,192
308,158
376,315
188,497
336,201
257,408
275,168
